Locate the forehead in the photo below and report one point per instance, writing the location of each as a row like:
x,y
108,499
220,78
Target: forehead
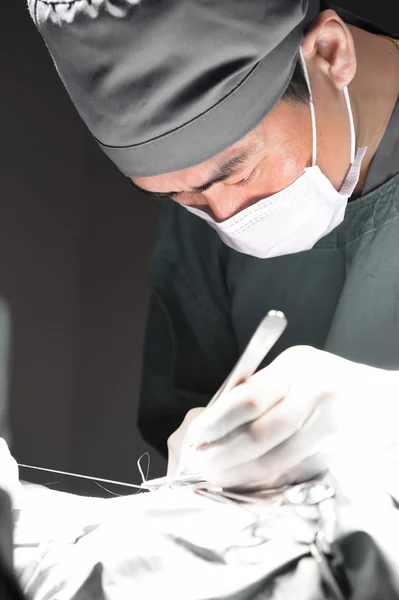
x,y
194,176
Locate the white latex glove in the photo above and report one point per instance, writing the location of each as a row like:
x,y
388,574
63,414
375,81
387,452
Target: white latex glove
x,y
307,411
175,441
9,475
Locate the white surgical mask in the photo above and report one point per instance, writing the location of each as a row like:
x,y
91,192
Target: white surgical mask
x,y
298,216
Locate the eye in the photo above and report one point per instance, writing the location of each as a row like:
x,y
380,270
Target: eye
x,y
246,179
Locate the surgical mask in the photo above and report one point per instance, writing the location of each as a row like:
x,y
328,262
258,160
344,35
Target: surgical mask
x,y
298,216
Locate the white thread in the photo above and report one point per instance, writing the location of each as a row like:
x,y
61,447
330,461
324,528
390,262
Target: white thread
x,y
81,476
97,479
144,479
108,491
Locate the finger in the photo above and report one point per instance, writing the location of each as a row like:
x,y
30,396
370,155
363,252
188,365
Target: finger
x,y
176,440
243,404
278,464
310,467
286,465
282,467
260,436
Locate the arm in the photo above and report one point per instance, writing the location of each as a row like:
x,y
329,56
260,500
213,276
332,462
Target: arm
x,y
179,373
163,402
190,345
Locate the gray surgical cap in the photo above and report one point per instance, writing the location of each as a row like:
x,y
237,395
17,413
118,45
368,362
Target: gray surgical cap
x,y
164,85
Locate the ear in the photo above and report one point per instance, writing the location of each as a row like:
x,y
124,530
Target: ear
x,y
329,45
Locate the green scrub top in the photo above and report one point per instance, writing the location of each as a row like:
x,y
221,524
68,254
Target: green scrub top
x,y
207,299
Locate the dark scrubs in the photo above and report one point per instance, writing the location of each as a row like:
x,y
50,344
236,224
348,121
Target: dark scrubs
x,y
341,296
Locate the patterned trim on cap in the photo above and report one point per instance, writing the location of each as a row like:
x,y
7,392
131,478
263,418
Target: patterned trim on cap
x,y
65,11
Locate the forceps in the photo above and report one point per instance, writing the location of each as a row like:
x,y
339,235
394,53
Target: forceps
x,y
262,341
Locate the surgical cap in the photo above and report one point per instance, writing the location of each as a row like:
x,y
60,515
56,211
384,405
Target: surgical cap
x,y
164,85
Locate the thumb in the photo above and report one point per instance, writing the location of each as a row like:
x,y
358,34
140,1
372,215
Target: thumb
x,y
176,440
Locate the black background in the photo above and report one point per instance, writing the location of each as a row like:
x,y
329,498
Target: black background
x,y
74,243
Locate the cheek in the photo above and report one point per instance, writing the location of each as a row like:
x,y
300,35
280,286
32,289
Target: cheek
x,y
287,165
289,149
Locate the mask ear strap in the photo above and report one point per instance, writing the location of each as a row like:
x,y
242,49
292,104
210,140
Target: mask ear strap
x,y
313,116
312,110
351,124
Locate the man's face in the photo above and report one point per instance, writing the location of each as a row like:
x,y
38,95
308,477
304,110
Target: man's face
x,y
269,158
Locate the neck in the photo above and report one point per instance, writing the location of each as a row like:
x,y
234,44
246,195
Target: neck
x,y
374,92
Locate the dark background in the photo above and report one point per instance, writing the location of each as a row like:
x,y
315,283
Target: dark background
x,y
74,243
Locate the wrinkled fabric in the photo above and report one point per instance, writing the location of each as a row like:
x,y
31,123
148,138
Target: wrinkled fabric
x,y
180,545
143,545
9,588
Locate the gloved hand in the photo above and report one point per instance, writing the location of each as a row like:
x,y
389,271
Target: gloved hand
x,y
307,411
9,475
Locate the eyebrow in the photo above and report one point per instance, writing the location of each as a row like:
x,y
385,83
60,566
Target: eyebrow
x,y
224,170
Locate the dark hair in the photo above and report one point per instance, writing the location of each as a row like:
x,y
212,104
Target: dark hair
x,y
297,90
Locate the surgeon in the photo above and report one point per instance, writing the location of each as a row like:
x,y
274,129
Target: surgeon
x,y
270,132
